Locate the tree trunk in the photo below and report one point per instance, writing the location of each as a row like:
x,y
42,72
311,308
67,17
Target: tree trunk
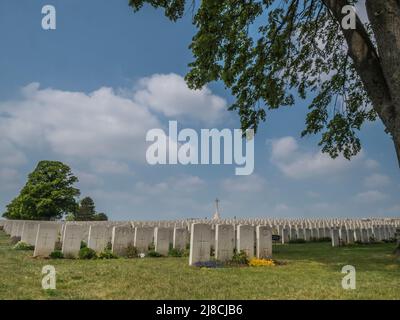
x,y
384,17
378,66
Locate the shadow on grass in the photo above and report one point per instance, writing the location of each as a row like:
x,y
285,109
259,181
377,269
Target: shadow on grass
x,y
370,257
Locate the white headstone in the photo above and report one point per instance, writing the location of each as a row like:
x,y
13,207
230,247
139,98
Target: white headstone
x,y
122,238
200,243
143,238
98,237
224,241
285,235
46,238
161,240
180,238
29,232
245,239
335,237
71,242
264,242
350,236
307,234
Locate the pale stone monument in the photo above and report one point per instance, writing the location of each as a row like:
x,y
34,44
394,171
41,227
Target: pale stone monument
x,y
98,237
29,232
307,234
335,237
264,242
161,240
245,239
216,213
357,234
224,241
300,233
321,233
122,237
71,242
46,238
285,235
180,238
364,236
200,243
293,233
350,236
143,238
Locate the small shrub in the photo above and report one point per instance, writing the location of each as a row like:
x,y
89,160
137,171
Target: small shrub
x,y
391,240
87,253
186,253
212,252
131,252
14,240
175,253
23,246
56,254
58,245
107,254
152,247
154,254
109,246
238,259
83,244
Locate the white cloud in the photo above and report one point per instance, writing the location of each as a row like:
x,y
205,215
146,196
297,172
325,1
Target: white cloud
x,y
106,166
371,164
100,125
169,95
9,179
376,180
370,196
77,124
285,154
9,155
88,180
283,148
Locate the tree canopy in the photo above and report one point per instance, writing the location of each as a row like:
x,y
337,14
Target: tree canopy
x,y
270,53
48,194
87,211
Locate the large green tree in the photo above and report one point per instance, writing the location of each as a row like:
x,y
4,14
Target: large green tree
x,y
270,52
48,194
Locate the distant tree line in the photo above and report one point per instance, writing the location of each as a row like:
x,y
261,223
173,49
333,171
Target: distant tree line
x,y
49,194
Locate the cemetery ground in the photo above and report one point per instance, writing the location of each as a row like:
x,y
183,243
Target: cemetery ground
x,y
311,271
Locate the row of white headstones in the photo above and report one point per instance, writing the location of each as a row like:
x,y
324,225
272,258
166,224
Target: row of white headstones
x,y
254,237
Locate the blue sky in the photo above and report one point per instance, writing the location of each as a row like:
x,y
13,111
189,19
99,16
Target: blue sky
x,y
88,92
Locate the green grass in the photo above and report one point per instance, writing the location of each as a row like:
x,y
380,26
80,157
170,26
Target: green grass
x,y
313,271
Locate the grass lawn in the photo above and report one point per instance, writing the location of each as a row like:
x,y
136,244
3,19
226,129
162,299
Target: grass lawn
x,y
313,271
